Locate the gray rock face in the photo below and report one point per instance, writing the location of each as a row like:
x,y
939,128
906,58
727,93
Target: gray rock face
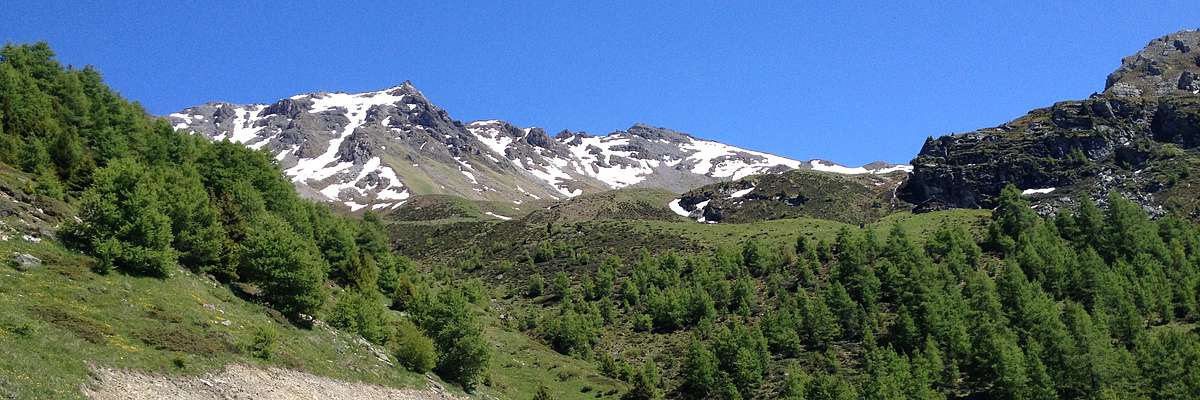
x,y
1166,66
1188,81
1135,138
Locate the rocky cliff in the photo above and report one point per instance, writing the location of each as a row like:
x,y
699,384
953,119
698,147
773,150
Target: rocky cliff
x,y
1139,137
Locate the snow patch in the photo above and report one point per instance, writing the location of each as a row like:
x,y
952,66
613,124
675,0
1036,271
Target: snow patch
x,y
825,166
700,209
678,209
1028,192
818,165
741,193
905,168
498,216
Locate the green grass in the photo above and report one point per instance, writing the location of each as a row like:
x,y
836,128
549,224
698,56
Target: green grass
x,y
61,319
853,199
716,235
922,226
521,364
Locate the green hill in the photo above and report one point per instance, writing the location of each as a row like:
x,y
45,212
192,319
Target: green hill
x,y
852,199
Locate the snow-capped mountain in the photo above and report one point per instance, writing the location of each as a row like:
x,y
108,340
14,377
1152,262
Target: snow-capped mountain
x,y
376,149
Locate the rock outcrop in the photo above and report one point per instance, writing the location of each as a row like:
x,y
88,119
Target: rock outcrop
x,y
1138,137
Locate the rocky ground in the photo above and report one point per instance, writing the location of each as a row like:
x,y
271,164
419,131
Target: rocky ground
x,y
238,382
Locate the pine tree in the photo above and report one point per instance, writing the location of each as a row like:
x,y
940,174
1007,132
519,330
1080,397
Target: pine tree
x,y
647,383
199,235
463,354
846,310
795,386
888,376
288,268
123,222
830,387
756,257
1041,385
699,373
820,326
1169,360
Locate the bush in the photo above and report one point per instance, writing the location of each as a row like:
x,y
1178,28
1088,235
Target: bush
x,y
264,343
537,285
642,323
562,283
412,348
361,312
574,331
462,353
543,393
647,384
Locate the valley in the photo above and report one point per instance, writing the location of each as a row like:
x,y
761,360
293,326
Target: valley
x,y
339,244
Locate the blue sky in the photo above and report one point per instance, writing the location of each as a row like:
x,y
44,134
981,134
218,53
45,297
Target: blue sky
x,y
848,82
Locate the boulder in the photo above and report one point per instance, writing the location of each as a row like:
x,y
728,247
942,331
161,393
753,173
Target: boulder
x,y
25,262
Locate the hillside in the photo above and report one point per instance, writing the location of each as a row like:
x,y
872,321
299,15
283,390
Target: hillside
x,y
852,199
135,253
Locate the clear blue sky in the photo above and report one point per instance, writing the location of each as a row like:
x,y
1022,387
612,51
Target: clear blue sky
x,y
813,80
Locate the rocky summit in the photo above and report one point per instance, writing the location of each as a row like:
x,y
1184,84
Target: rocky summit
x,y
1139,138
377,149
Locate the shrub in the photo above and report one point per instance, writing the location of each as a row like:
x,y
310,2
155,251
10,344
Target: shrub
x,y
412,348
361,312
642,323
462,353
264,342
647,384
562,283
542,393
537,285
574,331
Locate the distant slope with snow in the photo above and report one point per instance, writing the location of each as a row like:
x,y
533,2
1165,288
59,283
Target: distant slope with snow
x,y
377,149
817,193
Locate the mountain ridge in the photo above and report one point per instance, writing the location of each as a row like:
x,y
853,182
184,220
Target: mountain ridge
x,y
1139,138
373,149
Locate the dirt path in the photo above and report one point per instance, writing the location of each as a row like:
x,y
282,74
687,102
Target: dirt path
x,y
242,382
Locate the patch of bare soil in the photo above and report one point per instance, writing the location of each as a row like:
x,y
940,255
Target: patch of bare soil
x,y
243,382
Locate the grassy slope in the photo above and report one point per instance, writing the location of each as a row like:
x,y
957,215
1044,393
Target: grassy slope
x,y
62,317
452,239
623,204
441,207
520,365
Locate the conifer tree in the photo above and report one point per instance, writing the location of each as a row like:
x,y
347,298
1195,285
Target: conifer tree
x,y
122,222
289,269
699,371
647,383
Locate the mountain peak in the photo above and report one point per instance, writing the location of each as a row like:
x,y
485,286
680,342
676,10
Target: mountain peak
x,y
1167,65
